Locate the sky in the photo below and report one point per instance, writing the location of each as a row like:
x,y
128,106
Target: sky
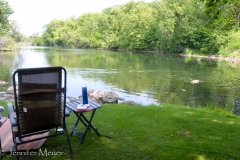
x,y
32,15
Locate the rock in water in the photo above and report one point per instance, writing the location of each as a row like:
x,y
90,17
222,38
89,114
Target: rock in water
x,y
236,109
195,81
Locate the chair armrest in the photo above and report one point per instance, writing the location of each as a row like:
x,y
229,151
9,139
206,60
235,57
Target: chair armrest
x,y
11,115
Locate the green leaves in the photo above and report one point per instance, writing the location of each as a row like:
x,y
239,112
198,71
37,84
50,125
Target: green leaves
x,y
163,26
5,12
223,14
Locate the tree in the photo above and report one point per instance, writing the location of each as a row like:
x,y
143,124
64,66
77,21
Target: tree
x,y
223,14
136,27
129,25
14,32
163,25
5,12
179,26
50,36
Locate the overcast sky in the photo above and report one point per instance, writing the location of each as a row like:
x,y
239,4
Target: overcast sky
x,y
32,15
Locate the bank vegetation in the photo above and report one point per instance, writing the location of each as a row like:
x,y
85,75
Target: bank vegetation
x,y
204,27
166,26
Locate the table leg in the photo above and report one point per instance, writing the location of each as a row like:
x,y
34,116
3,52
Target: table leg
x,y
75,125
89,125
90,122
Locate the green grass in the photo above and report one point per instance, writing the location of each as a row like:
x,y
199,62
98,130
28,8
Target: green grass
x,y
168,132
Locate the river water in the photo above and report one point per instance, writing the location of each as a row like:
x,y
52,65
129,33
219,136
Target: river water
x,y
141,77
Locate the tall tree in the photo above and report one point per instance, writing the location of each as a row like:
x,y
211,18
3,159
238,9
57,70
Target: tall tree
x,y
5,12
91,29
14,32
223,14
130,23
50,37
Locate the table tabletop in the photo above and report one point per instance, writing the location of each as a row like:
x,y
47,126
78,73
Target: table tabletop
x,y
73,105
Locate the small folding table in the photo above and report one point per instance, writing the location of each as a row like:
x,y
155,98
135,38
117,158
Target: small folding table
x,y
82,118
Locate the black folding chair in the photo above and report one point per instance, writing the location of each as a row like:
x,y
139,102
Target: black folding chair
x,y
40,101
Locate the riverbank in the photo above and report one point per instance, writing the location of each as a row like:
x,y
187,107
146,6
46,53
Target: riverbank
x,y
214,57
15,47
9,50
231,59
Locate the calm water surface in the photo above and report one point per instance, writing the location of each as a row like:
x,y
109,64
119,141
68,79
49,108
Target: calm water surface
x,y
143,78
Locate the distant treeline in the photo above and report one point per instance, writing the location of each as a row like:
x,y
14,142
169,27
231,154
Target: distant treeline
x,y
162,26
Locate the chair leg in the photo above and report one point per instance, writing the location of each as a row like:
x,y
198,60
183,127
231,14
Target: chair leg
x,y
14,136
69,143
56,130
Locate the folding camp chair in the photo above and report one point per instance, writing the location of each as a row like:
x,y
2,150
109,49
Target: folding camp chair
x,y
40,101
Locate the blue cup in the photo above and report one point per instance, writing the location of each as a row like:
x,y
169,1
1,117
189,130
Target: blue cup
x,y
84,95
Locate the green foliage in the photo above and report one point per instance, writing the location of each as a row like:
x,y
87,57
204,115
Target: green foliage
x,y
138,18
180,25
11,38
231,43
14,32
162,26
222,22
8,30
8,43
35,39
223,14
5,12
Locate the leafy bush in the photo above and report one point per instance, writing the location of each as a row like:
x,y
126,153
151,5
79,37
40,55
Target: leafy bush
x,y
7,43
231,44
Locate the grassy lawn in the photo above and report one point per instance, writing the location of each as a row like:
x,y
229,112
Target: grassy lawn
x,y
168,132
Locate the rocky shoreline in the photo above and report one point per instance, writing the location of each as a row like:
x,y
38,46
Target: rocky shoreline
x,y
217,58
231,59
6,97
101,97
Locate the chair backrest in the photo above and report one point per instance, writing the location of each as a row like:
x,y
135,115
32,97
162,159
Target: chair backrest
x,y
40,98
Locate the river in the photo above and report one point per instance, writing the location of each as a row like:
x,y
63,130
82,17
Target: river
x,y
141,77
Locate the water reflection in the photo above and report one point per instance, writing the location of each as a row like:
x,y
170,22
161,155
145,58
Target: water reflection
x,y
139,77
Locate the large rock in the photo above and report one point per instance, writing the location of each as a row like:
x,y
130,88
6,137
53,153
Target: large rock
x,y
8,95
72,99
110,97
10,90
2,82
102,97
